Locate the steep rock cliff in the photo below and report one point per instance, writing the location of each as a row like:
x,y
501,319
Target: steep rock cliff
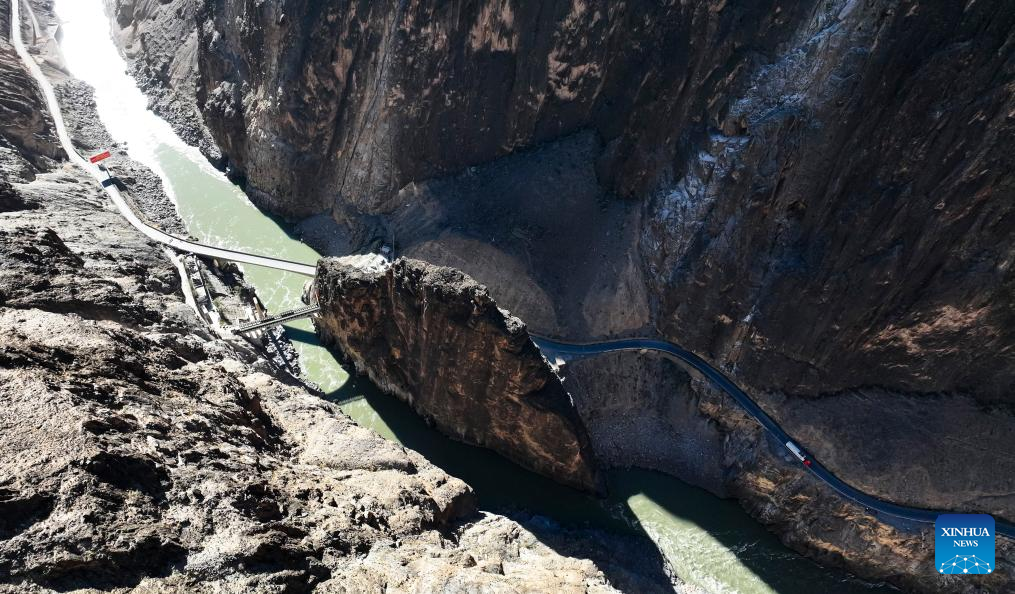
x,y
27,137
849,220
163,34
695,431
436,339
851,154
137,452
354,93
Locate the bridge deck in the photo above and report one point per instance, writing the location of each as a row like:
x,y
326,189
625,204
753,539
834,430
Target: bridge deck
x,y
286,316
552,348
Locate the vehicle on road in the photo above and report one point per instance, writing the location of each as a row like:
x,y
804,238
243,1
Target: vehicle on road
x,y
796,451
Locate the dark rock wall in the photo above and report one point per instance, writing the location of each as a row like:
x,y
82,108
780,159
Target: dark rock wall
x,y
851,154
815,195
850,222
325,102
27,136
435,338
159,39
141,450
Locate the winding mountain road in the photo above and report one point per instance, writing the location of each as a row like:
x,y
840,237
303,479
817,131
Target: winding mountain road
x,y
567,350
178,243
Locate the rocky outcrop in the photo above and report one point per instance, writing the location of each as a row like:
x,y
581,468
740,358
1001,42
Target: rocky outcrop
x,y
697,432
753,145
436,339
354,94
753,162
159,39
136,453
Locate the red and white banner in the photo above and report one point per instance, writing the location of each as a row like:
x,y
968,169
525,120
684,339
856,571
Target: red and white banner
x,y
100,157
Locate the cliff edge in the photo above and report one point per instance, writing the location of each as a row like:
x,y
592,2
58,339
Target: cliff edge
x,y
436,339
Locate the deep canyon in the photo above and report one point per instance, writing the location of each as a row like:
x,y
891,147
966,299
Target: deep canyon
x,y
142,448
818,197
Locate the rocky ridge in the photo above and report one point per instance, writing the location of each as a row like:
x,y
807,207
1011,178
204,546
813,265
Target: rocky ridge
x,y
170,80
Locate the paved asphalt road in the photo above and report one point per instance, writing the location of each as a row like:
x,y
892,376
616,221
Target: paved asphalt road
x,y
552,348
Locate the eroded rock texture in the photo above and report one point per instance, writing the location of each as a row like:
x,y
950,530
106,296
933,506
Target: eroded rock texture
x,y
27,136
354,93
164,35
140,453
436,339
849,154
848,220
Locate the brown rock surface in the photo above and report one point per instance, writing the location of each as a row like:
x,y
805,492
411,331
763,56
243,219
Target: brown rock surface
x,y
27,136
852,155
695,431
354,93
137,453
436,339
164,34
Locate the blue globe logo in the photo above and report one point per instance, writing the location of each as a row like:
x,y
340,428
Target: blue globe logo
x,y
965,564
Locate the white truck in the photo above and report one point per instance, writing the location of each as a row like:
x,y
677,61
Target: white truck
x,y
792,447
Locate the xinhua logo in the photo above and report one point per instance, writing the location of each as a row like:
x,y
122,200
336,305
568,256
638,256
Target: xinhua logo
x,y
964,544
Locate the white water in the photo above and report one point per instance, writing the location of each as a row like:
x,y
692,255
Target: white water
x,y
711,543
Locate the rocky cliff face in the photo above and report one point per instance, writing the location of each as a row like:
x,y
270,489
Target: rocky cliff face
x,y
27,137
848,220
355,93
689,422
164,35
850,154
137,453
436,339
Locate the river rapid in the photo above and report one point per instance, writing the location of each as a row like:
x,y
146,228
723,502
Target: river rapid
x,y
711,543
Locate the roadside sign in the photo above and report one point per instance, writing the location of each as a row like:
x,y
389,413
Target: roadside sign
x,y
100,156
